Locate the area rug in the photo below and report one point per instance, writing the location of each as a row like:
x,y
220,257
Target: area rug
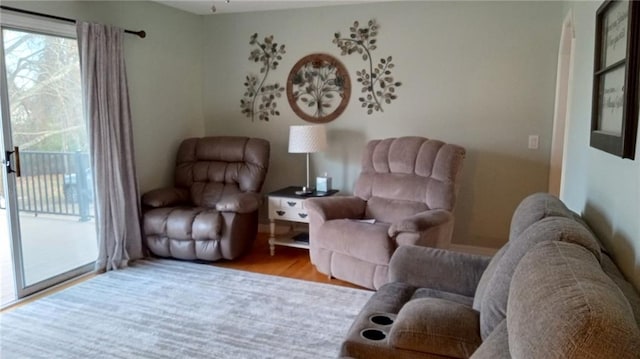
x,y
173,309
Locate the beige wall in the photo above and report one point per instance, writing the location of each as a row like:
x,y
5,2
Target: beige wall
x,y
164,72
478,74
604,188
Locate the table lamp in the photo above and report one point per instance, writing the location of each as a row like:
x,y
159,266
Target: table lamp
x,y
307,139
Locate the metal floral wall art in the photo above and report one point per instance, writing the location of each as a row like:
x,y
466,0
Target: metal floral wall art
x,y
269,54
377,82
318,88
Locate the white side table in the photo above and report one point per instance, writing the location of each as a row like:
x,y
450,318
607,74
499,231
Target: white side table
x,y
286,205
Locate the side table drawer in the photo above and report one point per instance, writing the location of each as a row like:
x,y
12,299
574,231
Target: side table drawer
x,y
291,203
286,202
289,214
288,209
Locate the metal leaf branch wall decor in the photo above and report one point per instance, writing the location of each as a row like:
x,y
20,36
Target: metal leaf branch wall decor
x,y
269,54
377,83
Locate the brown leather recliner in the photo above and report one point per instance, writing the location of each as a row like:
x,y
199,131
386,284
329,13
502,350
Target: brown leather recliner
x,y
212,212
407,187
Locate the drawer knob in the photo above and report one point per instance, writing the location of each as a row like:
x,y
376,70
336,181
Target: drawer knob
x,y
281,213
291,204
302,215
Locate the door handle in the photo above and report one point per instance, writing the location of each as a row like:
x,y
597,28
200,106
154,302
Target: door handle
x,y
7,163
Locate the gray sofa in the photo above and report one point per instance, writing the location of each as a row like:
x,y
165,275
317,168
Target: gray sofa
x,y
551,292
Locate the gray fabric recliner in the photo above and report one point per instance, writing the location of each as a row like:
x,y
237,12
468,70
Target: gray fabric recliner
x,y
212,212
551,292
408,186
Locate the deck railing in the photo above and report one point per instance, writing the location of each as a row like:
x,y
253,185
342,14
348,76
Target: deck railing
x,y
55,183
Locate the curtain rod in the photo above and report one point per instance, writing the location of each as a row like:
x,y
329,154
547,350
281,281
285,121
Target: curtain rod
x,y
140,33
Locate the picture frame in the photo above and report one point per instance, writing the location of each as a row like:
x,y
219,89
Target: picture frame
x,y
614,116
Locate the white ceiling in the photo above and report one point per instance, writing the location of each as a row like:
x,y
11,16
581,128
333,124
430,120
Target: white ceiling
x,y
222,6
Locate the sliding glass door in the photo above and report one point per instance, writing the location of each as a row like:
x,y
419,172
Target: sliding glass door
x,y
47,202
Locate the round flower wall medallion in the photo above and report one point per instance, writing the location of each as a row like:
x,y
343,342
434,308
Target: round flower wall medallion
x,y
318,88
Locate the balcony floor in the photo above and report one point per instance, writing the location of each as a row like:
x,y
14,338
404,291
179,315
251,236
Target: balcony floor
x,y
52,244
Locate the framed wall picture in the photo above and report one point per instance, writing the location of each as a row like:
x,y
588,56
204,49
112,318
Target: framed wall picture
x,y
614,117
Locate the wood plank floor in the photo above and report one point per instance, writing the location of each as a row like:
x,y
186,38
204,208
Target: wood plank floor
x,y
287,262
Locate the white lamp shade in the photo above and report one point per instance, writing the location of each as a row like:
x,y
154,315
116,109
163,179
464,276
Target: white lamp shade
x,y
307,139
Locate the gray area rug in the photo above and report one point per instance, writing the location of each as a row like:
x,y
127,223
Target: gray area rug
x,y
173,309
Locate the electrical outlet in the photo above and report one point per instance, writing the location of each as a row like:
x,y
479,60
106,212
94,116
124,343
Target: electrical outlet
x,y
533,142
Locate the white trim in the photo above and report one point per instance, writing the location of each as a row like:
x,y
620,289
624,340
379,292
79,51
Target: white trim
x,y
37,24
42,26
567,124
569,22
561,107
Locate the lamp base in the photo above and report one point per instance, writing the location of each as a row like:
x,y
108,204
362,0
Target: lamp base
x,y
304,191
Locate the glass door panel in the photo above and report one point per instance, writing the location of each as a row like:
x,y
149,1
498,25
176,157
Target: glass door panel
x,y
53,193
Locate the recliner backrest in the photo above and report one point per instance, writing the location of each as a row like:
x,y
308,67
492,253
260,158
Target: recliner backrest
x,y
530,210
534,208
539,217
211,167
563,305
407,175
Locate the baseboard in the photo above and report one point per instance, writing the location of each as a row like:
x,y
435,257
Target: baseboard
x,y
263,228
484,251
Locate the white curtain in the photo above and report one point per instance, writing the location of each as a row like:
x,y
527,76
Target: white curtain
x,y
106,109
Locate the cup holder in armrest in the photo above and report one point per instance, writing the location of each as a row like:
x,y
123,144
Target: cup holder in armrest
x,y
373,334
382,319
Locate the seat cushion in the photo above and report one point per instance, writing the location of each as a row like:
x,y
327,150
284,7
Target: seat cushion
x,y
183,223
183,232
364,241
563,305
387,301
437,326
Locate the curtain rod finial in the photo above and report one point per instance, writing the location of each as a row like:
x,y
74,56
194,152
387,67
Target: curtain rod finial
x,y
142,34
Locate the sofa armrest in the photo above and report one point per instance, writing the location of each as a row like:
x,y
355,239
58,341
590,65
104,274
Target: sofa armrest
x,y
437,326
165,197
245,202
439,269
338,207
421,222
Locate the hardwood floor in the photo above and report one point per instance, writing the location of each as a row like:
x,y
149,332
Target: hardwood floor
x,y
287,262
